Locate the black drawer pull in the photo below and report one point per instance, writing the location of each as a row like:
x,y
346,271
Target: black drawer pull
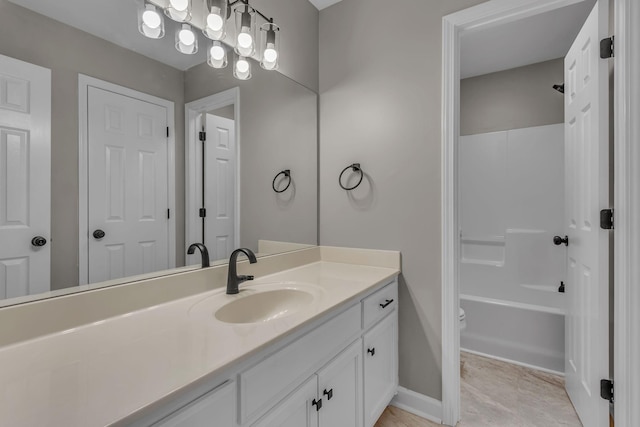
x,y
329,393
386,303
371,351
317,404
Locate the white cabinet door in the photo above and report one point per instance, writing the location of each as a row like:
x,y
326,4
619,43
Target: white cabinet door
x,y
297,410
340,388
380,367
215,409
25,177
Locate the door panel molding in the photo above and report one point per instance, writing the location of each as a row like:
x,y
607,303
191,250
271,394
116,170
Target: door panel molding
x,y
84,82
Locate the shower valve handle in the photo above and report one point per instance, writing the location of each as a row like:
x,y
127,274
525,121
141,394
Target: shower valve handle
x,y
557,240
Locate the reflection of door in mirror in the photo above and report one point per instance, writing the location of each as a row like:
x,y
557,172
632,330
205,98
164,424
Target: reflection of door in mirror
x,y
128,191
219,180
212,189
25,178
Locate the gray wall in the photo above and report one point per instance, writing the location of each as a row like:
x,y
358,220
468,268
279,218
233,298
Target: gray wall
x,y
67,51
380,85
512,99
278,130
298,21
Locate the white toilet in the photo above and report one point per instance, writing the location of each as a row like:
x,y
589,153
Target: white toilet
x,y
463,320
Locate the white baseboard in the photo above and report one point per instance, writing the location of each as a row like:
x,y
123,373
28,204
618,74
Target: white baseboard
x,y
418,404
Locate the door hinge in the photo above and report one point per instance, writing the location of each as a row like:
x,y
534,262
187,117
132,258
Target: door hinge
x,y
606,390
167,131
168,213
203,212
606,219
607,48
202,136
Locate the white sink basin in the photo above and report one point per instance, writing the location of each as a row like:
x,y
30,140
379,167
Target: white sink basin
x,y
264,306
259,303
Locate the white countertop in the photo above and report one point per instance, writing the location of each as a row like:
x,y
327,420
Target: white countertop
x,y
100,373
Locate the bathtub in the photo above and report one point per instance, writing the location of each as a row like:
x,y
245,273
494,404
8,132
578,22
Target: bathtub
x,y
519,333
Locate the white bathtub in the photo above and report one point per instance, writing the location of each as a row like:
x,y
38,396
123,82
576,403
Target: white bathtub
x,y
524,334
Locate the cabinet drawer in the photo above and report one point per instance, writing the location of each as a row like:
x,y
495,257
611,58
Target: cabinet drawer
x,y
380,304
263,385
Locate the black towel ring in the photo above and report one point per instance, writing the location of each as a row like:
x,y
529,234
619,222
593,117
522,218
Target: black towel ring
x,y
356,168
287,174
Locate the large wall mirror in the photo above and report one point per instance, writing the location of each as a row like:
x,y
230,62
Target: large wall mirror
x,y
117,152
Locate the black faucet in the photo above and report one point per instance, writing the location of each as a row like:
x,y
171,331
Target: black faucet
x,y
203,251
233,280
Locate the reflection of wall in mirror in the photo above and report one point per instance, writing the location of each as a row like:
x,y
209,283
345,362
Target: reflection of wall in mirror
x,y
278,130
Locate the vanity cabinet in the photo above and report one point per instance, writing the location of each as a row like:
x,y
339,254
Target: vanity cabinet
x,y
380,367
216,408
332,397
340,372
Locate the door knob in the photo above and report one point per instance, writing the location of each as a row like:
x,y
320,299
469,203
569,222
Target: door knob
x,y
98,234
557,240
38,241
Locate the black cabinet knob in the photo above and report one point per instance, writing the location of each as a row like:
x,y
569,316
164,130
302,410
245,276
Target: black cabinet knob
x,y
329,393
38,241
386,303
371,351
557,240
99,234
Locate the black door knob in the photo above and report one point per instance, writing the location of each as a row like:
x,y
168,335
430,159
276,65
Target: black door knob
x,y
98,234
557,240
38,241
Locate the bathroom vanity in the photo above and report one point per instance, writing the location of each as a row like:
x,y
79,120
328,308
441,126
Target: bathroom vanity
x,y
312,341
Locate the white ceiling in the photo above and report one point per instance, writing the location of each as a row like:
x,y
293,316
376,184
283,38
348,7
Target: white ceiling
x,y
321,4
527,41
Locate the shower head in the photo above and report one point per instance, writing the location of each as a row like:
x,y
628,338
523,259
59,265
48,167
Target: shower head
x,y
559,88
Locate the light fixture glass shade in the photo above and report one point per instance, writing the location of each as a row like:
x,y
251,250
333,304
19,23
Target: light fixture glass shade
x,y
186,40
270,46
217,55
245,30
242,68
150,21
179,10
215,24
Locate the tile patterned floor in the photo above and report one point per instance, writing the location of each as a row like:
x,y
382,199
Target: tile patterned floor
x,y
499,394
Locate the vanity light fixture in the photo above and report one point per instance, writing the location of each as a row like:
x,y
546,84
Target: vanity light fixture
x,y
216,21
150,21
179,10
217,55
242,68
186,40
270,45
213,23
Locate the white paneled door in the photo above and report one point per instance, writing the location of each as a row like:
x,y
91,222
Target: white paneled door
x,y
587,192
128,186
220,186
25,178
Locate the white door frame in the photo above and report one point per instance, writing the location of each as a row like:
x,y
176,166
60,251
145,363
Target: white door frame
x,y
627,213
627,194
84,82
191,112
